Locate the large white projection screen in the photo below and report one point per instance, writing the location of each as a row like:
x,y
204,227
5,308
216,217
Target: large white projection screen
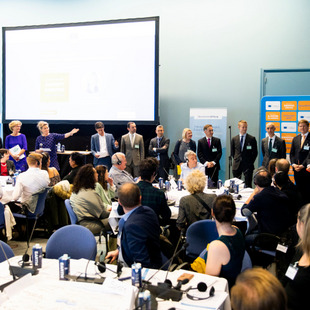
x,y
82,72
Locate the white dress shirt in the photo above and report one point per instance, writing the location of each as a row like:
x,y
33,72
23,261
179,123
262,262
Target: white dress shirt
x,y
30,182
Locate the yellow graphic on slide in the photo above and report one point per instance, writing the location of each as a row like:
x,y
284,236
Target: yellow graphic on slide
x,y
289,105
304,105
54,87
289,116
272,116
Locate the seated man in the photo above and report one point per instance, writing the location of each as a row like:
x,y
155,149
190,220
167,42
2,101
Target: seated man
x,y
76,161
270,204
139,231
190,165
29,182
117,173
151,196
283,182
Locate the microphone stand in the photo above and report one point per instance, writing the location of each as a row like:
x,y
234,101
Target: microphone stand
x,y
230,156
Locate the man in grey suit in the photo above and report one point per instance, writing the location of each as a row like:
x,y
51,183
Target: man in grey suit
x,y
132,146
159,148
272,146
103,146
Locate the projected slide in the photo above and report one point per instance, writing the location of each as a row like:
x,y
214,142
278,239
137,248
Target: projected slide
x,y
82,72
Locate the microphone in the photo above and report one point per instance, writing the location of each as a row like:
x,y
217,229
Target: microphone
x,y
180,283
103,267
164,290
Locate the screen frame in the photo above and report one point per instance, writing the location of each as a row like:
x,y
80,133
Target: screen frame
x,y
106,121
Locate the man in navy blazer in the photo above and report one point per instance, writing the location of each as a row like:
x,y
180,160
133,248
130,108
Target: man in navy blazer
x,y
272,146
103,146
299,159
244,153
138,231
158,148
210,153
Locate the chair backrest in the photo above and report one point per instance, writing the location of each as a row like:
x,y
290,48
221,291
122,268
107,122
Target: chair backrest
x,y
246,262
2,219
40,204
74,240
72,215
8,251
198,235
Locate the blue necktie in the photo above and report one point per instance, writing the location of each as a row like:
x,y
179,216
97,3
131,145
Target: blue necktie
x,y
241,143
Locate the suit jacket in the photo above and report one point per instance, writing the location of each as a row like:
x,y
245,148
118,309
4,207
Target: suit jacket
x,y
213,153
162,150
278,150
299,155
140,238
95,145
133,154
247,157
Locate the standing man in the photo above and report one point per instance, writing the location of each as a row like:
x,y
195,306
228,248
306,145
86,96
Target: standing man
x,y
210,153
299,153
132,146
272,146
244,153
159,148
103,146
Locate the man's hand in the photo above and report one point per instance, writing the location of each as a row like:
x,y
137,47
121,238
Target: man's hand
x,y
113,255
298,167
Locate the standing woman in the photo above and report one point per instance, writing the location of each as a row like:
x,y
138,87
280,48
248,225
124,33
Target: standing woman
x,y
183,145
49,140
297,282
16,143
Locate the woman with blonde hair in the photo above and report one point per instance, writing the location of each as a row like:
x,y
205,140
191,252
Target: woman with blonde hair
x,y
196,206
16,143
297,281
49,140
183,145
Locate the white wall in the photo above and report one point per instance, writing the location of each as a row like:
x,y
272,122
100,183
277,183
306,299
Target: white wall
x,y
211,51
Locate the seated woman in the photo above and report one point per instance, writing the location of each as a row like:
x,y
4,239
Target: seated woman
x,y
225,255
86,203
105,187
7,166
52,171
76,161
190,165
196,206
297,285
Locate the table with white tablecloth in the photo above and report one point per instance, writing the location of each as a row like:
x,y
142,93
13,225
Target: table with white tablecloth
x,y
46,291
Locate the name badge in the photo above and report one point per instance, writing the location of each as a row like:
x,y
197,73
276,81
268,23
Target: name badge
x,y
291,271
274,150
306,147
249,147
282,248
136,146
214,149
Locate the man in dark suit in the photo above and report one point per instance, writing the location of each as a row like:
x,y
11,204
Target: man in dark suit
x,y
132,146
299,156
159,148
210,153
103,146
244,153
272,146
138,231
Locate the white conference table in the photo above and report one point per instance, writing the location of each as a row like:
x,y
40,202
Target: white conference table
x,y
46,291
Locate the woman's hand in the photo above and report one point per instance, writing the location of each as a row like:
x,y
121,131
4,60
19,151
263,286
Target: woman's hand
x,y
110,181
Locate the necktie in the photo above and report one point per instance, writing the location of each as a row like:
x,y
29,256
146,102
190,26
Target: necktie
x,y
131,139
303,138
241,143
270,146
209,142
